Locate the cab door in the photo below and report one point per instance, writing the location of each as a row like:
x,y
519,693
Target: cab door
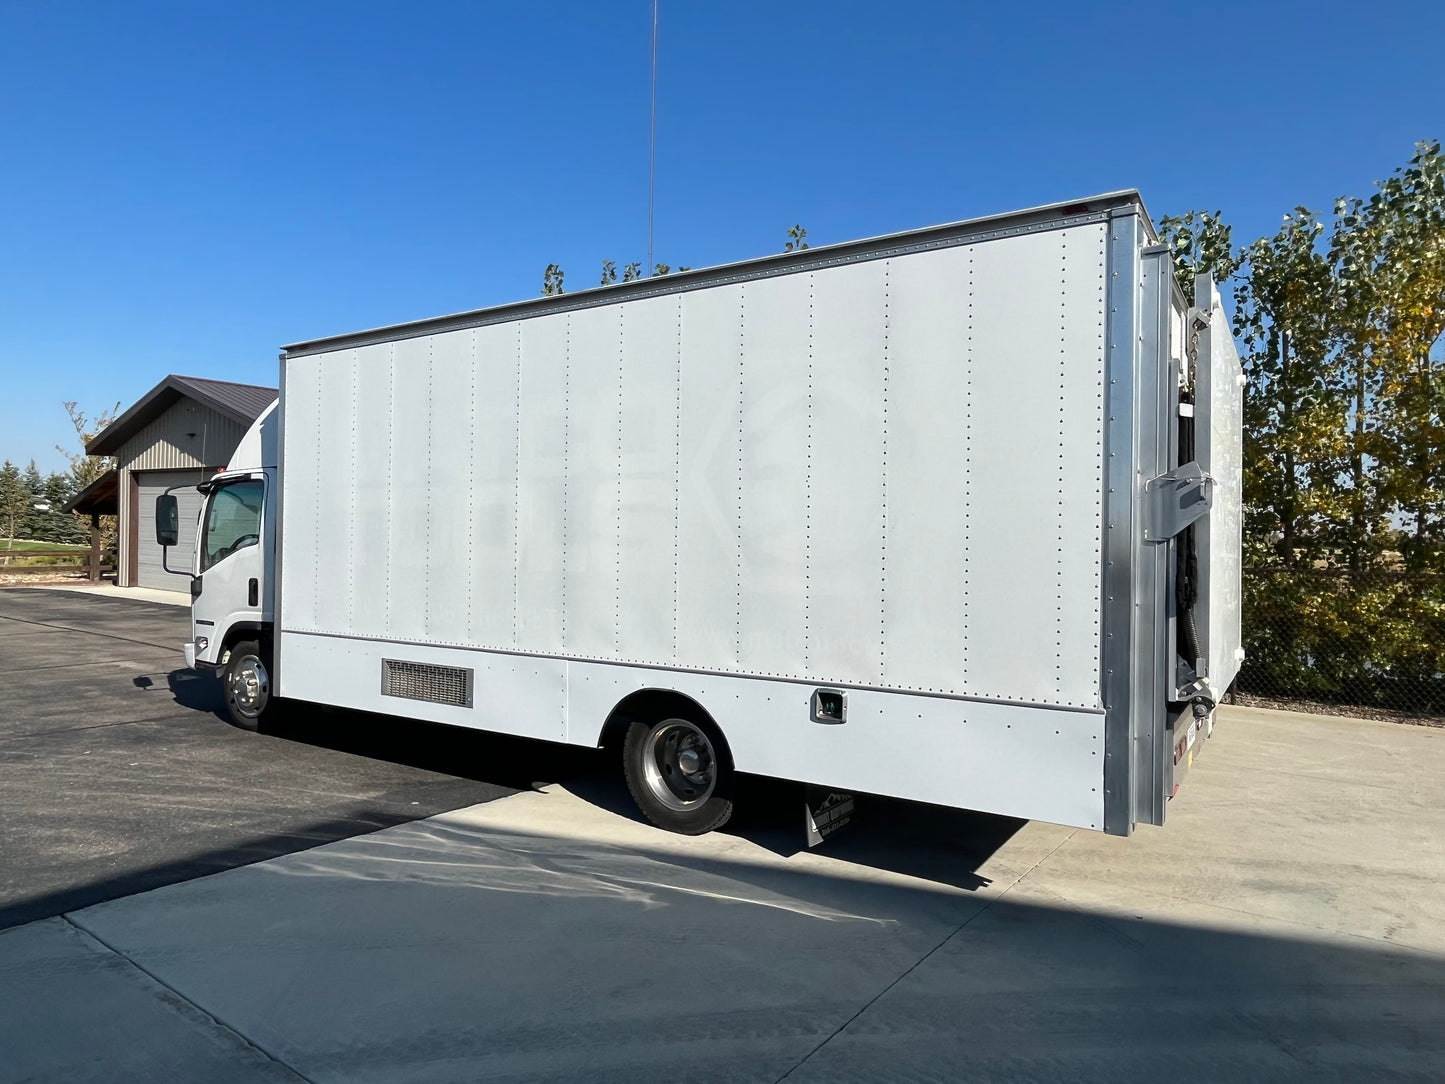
x,y
230,559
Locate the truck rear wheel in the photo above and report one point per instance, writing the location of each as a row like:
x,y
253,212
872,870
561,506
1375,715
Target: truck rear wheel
x,y
247,682
677,775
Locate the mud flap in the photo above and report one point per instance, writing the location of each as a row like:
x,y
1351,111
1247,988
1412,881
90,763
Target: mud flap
x,y
825,812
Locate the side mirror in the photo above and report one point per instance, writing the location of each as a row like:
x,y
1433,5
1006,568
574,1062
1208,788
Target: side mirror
x,y
168,520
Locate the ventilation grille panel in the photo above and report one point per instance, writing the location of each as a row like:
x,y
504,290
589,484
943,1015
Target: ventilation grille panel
x,y
427,681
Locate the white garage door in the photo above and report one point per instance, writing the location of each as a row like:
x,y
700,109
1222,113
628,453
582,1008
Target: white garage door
x,y
151,484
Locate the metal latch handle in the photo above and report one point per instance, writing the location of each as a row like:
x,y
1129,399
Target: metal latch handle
x,y
1175,500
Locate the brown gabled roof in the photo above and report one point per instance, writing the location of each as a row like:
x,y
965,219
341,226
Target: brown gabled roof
x,y
100,497
243,403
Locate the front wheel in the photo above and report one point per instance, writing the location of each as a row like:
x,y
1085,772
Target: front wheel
x,y
677,776
247,681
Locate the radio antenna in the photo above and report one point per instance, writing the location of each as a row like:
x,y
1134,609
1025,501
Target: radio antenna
x,y
652,143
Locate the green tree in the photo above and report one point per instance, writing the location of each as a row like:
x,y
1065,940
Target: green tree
x,y
1341,322
1293,412
1199,242
797,239
1391,264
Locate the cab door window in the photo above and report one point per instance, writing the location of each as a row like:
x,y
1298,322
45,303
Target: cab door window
x,y
233,520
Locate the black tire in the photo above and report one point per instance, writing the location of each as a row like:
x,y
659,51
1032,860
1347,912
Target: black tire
x,y
246,683
678,773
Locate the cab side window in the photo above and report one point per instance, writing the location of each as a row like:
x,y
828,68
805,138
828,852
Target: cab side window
x,y
233,520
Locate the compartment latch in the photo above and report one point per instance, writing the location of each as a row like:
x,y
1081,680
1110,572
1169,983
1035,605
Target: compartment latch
x,y
1175,500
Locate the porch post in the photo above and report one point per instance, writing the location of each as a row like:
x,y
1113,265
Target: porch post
x,y
95,547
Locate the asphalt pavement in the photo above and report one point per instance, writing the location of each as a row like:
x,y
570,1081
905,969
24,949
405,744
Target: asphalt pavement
x,y
121,773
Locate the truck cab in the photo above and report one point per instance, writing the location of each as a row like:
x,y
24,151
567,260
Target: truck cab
x,y
232,572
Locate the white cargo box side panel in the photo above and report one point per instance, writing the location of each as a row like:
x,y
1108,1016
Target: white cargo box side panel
x,y
593,485
492,465
931,397
774,517
994,468
649,486
408,559
846,479
334,386
706,545
884,473
449,542
541,493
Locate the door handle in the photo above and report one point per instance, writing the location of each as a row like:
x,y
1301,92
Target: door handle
x,y
252,592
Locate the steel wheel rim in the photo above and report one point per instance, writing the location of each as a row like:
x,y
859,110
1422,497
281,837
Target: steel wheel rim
x,y
679,765
250,686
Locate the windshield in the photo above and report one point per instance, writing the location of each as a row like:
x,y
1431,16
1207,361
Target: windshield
x,y
233,520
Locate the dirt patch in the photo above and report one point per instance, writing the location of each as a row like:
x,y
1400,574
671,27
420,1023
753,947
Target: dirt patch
x,y
41,579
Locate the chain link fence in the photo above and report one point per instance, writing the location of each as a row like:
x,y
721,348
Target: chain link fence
x,y
1333,638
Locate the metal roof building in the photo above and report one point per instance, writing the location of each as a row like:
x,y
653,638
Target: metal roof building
x,y
179,433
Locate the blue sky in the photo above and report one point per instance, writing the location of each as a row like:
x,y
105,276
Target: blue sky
x,y
188,186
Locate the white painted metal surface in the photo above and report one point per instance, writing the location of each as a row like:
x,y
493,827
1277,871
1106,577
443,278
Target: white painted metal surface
x,y
1009,759
1221,454
884,474
882,471
512,694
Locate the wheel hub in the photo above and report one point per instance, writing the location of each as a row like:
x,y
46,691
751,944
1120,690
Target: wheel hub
x,y
679,765
250,685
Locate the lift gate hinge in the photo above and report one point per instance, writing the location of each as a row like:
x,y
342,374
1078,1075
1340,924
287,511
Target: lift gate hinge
x,y
1175,500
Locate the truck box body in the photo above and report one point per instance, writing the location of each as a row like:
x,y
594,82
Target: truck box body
x,y
915,470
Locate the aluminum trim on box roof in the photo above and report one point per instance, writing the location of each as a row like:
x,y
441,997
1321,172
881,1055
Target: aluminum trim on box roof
x,y
1047,217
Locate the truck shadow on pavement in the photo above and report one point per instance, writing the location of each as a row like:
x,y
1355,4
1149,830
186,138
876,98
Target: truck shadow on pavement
x,y
199,690
515,763
935,843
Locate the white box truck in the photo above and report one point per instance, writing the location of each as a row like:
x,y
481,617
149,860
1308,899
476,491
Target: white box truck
x,y
950,515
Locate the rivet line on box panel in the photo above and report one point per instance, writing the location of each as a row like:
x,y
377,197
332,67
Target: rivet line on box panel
x,y
808,490
351,496
738,533
676,475
566,455
390,461
471,525
427,490
883,534
617,489
517,499
318,472
1063,383
967,469
1099,431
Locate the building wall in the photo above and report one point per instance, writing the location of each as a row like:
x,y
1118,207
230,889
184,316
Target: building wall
x,y
186,436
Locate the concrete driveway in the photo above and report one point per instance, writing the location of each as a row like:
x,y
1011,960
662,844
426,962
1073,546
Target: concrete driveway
x,y
1288,924
119,773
